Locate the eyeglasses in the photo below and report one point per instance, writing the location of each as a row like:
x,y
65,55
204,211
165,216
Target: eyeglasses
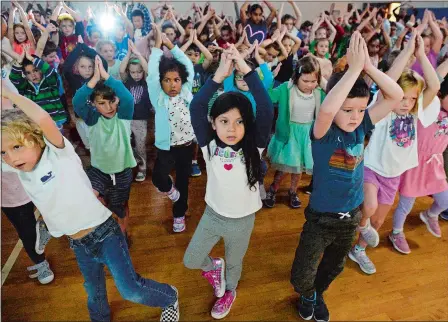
x,y
239,77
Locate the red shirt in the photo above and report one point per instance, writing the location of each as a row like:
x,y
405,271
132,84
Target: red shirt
x,y
222,43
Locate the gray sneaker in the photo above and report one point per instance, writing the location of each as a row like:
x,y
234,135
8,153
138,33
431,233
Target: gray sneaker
x,y
42,237
364,262
44,274
370,235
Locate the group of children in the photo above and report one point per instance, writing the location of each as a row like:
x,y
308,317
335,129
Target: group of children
x,y
205,82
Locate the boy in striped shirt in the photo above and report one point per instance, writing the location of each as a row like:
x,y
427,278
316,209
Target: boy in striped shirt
x,y
38,81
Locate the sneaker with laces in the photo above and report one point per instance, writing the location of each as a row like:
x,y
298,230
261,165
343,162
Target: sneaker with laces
x,y
171,312
364,262
444,215
44,274
195,170
216,277
306,307
432,224
173,194
223,305
399,242
179,224
294,201
141,176
321,313
42,237
269,201
370,235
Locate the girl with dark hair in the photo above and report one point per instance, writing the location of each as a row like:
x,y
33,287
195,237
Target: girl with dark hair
x,y
254,23
298,101
170,82
232,139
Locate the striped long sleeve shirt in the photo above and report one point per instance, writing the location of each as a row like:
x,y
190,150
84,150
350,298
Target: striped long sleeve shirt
x,y
46,93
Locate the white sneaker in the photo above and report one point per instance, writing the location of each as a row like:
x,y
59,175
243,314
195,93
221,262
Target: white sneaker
x,y
44,274
179,224
141,176
364,262
370,236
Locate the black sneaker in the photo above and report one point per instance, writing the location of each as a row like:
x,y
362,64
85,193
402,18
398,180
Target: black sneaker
x,y
306,307
321,313
308,189
269,202
294,201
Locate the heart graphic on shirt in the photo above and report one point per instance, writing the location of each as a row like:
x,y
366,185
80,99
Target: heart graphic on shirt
x,y
228,167
252,34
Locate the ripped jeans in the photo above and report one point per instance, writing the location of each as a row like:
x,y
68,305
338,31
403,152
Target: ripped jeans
x,y
106,245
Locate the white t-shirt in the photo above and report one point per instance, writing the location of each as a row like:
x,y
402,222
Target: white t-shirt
x,y
392,148
61,190
180,121
227,191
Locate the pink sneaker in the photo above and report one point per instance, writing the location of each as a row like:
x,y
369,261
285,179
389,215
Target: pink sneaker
x,y
432,223
216,277
222,306
400,243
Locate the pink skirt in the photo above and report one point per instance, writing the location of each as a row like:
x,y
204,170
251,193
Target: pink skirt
x,y
427,178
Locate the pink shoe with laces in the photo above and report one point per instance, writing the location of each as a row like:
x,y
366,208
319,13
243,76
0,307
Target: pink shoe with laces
x,y
432,223
216,277
223,305
400,243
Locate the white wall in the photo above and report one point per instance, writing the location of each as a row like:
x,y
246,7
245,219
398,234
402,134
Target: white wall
x,y
310,9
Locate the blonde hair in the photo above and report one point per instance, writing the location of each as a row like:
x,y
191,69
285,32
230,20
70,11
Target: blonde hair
x,y
408,80
100,44
21,129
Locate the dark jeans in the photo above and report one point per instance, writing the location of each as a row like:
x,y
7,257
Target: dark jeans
x,y
180,158
106,245
323,234
23,220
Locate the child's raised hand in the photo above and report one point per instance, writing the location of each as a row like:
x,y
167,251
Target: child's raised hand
x,y
80,40
420,47
225,67
239,61
276,70
157,35
257,54
368,66
355,53
166,41
26,49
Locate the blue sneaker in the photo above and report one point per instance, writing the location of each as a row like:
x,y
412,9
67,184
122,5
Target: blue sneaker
x,y
444,215
195,170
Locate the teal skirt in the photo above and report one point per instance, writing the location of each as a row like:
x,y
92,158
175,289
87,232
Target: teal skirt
x,y
295,156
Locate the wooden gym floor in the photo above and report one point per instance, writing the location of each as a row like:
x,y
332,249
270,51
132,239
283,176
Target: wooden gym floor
x,y
405,287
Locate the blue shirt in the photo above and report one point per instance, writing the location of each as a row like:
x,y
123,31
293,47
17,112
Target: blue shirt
x,y
256,31
338,173
122,48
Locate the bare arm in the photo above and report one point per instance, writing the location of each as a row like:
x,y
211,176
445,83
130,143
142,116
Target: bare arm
x,y
11,25
316,24
37,115
124,65
56,12
272,14
72,12
297,12
243,15
437,35
442,70
207,54
333,31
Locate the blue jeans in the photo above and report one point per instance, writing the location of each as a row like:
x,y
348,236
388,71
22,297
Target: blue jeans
x,y
106,245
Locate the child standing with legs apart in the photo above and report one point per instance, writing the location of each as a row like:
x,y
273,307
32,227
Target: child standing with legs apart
x,y
170,82
290,148
392,149
337,139
107,107
53,177
429,178
232,145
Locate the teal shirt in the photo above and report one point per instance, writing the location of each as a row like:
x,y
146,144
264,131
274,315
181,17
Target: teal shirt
x,y
110,139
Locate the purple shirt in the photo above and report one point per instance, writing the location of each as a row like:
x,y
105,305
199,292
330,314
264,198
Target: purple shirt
x,y
432,56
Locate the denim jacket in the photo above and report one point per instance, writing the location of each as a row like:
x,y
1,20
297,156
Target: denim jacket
x,y
160,100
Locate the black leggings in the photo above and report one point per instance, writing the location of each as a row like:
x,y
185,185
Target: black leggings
x,y
23,220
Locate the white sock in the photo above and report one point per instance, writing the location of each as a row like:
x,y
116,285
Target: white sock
x,y
397,230
194,162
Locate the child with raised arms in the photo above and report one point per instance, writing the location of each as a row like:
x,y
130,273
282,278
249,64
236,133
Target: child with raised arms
x,y
52,176
337,141
232,143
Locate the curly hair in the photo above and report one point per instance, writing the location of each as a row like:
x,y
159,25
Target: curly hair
x,y
21,128
172,65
